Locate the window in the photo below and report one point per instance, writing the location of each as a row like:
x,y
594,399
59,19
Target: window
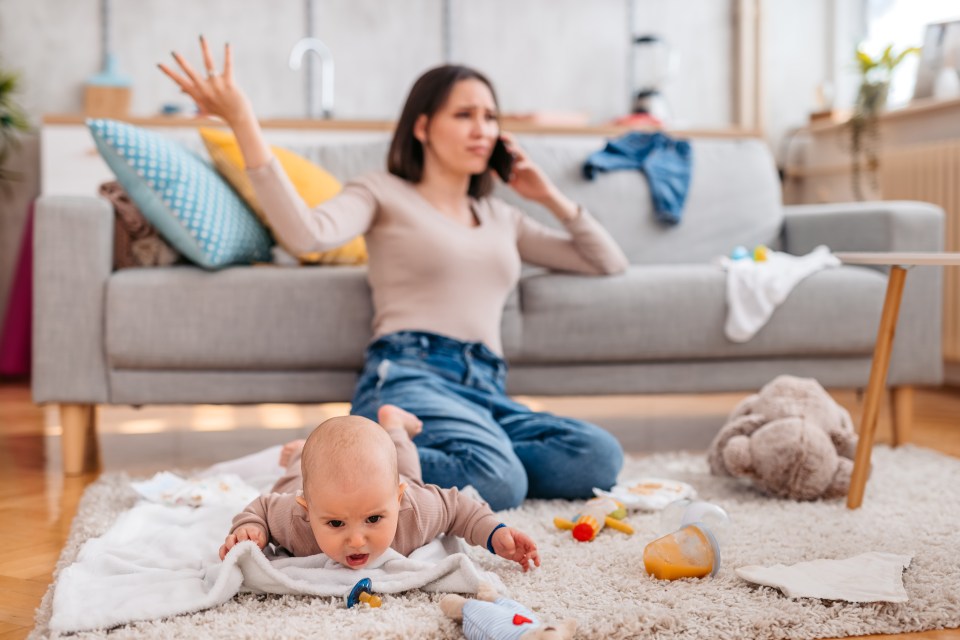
x,y
902,23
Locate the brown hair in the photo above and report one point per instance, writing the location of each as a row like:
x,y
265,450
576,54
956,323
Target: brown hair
x,y
429,93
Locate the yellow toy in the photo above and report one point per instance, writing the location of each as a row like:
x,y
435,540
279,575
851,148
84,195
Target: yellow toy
x,y
595,515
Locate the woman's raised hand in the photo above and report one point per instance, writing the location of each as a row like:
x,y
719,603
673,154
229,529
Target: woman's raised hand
x,y
216,94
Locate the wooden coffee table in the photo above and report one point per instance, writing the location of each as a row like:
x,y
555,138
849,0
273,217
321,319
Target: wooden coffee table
x,y
898,263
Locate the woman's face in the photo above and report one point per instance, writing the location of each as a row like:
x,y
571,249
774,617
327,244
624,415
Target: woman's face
x,y
459,137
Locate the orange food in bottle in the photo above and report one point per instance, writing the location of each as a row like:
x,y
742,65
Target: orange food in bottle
x,y
686,553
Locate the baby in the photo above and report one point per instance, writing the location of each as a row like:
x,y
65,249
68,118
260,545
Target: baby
x,y
354,489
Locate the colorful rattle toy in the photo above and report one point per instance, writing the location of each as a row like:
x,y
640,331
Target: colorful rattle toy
x,y
759,253
596,513
362,593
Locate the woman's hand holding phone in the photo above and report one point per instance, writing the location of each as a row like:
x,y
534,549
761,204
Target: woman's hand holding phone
x,y
527,179
532,183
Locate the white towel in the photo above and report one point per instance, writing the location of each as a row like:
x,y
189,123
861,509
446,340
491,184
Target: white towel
x,y
756,289
160,559
868,577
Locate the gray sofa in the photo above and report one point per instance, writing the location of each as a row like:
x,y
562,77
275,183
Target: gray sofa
x,y
297,334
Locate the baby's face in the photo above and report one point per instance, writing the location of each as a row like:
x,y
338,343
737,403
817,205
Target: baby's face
x,y
355,527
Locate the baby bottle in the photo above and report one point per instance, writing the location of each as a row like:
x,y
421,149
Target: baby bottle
x,y
690,549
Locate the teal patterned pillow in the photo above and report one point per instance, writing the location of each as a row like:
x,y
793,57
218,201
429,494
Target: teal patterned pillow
x,y
182,196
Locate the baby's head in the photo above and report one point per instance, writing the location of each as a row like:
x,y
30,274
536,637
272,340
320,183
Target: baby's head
x,y
351,489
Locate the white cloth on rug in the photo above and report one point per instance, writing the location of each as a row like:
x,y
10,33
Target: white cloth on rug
x,y
159,560
756,289
170,489
868,577
648,494
259,469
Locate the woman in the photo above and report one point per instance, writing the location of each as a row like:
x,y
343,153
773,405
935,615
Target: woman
x,y
444,256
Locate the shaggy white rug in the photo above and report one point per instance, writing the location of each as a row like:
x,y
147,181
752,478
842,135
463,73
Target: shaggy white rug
x,y
912,506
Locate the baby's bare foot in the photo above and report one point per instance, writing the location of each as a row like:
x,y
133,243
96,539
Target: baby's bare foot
x,y
391,416
289,450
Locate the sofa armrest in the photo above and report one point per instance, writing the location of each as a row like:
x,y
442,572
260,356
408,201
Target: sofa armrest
x,y
887,226
863,226
73,258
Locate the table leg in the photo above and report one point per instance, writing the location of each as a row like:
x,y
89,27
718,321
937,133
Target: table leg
x,y
875,387
901,401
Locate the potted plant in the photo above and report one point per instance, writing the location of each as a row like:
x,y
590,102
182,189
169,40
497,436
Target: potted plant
x,y
13,120
875,76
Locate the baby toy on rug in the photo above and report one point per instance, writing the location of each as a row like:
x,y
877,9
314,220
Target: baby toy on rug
x,y
492,617
595,515
791,439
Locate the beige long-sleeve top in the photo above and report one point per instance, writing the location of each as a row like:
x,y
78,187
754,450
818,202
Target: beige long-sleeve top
x,y
428,272
426,510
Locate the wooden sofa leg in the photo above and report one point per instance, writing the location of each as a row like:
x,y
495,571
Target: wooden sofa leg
x,y
81,450
901,401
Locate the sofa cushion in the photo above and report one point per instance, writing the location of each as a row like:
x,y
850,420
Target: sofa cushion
x,y
246,318
668,312
188,202
274,319
734,198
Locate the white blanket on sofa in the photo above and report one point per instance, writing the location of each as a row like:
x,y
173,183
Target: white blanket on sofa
x,y
161,559
756,289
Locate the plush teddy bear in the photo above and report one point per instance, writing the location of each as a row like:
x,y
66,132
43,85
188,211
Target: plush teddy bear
x,y
492,617
791,439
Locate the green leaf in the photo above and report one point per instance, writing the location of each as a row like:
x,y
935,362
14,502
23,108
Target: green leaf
x,y
12,119
887,58
866,62
903,54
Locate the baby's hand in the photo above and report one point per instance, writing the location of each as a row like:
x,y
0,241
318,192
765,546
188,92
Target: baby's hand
x,y
517,546
247,532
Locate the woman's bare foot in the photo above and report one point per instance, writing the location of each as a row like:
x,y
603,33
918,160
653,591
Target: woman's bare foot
x,y
289,450
391,416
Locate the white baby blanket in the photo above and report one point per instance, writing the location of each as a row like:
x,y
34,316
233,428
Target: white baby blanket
x,y
161,559
756,289
868,577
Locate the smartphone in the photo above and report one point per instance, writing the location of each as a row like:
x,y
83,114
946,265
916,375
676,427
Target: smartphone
x,y
501,160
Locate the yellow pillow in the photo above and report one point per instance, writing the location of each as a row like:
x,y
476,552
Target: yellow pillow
x,y
312,183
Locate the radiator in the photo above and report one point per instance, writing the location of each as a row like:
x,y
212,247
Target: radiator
x,y
931,173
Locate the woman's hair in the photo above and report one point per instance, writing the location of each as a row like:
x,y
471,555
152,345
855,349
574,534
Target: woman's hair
x,y
428,94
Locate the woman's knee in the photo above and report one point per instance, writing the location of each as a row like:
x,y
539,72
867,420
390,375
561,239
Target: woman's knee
x,y
498,477
606,459
503,488
589,457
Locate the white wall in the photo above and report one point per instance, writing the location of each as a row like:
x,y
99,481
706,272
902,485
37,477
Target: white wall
x,y
542,54
566,55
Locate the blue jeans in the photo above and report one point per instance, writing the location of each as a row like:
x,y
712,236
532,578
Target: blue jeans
x,y
472,432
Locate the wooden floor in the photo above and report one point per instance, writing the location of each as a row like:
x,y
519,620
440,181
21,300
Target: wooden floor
x,y
37,503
